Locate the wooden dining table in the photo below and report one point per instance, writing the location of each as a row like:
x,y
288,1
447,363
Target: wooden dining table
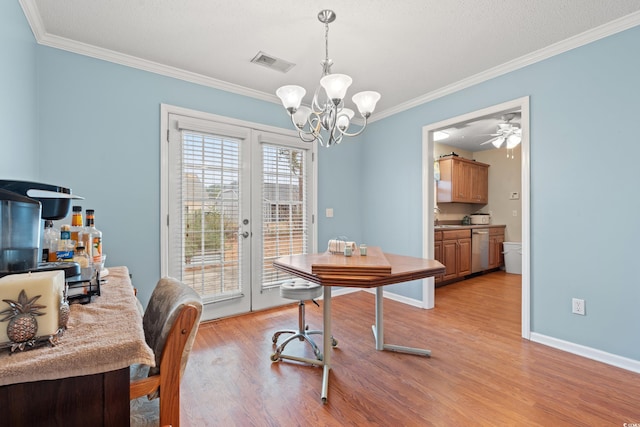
x,y
373,270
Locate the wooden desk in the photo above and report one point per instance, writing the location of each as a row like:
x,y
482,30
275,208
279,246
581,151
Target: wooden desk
x,y
372,271
84,380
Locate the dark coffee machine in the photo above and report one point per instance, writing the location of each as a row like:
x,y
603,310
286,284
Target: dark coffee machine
x,y
23,207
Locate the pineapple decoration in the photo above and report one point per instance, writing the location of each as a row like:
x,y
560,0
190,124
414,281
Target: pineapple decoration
x,y
22,314
63,315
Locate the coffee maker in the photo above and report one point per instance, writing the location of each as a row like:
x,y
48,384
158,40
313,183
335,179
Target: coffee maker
x,y
24,206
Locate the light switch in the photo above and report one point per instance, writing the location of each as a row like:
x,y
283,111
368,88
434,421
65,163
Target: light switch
x,y
514,195
329,212
515,213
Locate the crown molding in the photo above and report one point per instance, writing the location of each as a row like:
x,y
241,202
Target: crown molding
x,y
42,37
589,36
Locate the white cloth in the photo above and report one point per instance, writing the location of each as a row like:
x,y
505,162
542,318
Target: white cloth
x,y
337,246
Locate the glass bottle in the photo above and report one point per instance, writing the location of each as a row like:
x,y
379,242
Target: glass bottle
x,y
76,225
65,244
95,238
82,259
50,242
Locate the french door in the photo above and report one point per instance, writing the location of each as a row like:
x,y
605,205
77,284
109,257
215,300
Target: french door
x,y
237,197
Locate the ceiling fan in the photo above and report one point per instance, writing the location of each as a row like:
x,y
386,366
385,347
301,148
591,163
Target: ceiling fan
x,y
506,132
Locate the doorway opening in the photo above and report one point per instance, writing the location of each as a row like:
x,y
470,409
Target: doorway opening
x,y
433,133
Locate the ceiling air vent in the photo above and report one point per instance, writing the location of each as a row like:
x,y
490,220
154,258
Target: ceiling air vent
x,y
272,62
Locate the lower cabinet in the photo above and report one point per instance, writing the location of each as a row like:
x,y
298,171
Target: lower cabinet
x,y
496,239
437,251
454,251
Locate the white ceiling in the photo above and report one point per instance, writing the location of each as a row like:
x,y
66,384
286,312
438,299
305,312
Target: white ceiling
x,y
409,50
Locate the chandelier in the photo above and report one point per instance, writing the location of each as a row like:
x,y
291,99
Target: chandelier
x,y
328,120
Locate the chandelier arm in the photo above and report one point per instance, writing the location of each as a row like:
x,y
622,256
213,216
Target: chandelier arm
x,y
358,132
303,136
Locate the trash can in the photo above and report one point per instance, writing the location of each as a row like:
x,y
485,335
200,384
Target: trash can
x,y
513,257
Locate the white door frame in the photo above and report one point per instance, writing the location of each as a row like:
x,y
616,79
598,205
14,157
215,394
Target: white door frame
x,y
428,202
256,128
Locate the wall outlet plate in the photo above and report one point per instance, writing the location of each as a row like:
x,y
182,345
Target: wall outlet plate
x,y
514,195
577,306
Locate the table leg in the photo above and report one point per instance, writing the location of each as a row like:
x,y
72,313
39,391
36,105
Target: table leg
x,y
378,328
327,341
378,332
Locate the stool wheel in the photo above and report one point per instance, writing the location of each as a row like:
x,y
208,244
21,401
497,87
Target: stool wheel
x,y
334,342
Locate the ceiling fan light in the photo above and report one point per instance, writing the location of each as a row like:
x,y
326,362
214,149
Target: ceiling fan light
x,y
513,140
291,97
336,86
498,142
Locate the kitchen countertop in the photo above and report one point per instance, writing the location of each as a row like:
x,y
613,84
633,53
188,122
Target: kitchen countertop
x,y
465,227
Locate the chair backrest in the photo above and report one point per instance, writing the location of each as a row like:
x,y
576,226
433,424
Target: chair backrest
x,y
166,302
170,324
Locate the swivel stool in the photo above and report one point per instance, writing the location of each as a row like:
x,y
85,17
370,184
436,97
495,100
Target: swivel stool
x,y
301,291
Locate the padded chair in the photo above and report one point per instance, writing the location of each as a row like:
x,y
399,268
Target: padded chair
x,y
170,324
302,291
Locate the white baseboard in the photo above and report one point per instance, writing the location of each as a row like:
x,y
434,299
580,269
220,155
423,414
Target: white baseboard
x,y
588,352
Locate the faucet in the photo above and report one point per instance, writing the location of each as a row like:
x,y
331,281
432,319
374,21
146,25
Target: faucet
x,y
436,211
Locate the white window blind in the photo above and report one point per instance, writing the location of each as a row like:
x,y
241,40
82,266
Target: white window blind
x,y
211,184
285,208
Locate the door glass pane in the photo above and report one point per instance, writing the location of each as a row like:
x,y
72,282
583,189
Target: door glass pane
x,y
210,217
284,208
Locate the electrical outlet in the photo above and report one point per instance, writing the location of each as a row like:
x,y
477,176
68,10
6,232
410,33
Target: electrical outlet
x,y
514,195
577,306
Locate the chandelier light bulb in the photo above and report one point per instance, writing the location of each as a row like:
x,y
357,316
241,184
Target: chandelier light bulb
x,y
291,97
366,102
336,86
301,116
344,118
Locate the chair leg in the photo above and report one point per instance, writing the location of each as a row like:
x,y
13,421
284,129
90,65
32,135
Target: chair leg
x,y
302,334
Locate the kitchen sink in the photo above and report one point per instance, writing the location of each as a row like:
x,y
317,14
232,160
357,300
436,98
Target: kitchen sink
x,y
447,226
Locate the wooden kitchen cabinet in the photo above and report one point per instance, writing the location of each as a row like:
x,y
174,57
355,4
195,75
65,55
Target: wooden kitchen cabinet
x,y
480,183
455,253
463,181
496,239
437,251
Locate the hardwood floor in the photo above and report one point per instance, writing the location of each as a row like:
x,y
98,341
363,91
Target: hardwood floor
x,y
481,371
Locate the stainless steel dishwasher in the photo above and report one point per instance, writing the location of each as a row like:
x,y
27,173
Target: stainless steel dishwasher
x,y
479,249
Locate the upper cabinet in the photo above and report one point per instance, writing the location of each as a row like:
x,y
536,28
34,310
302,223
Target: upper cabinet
x,y
463,181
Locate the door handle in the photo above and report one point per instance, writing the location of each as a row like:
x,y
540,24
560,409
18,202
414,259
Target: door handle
x,y
245,234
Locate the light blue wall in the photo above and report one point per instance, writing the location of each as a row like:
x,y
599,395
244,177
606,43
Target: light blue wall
x,y
584,173
18,112
96,127
100,127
